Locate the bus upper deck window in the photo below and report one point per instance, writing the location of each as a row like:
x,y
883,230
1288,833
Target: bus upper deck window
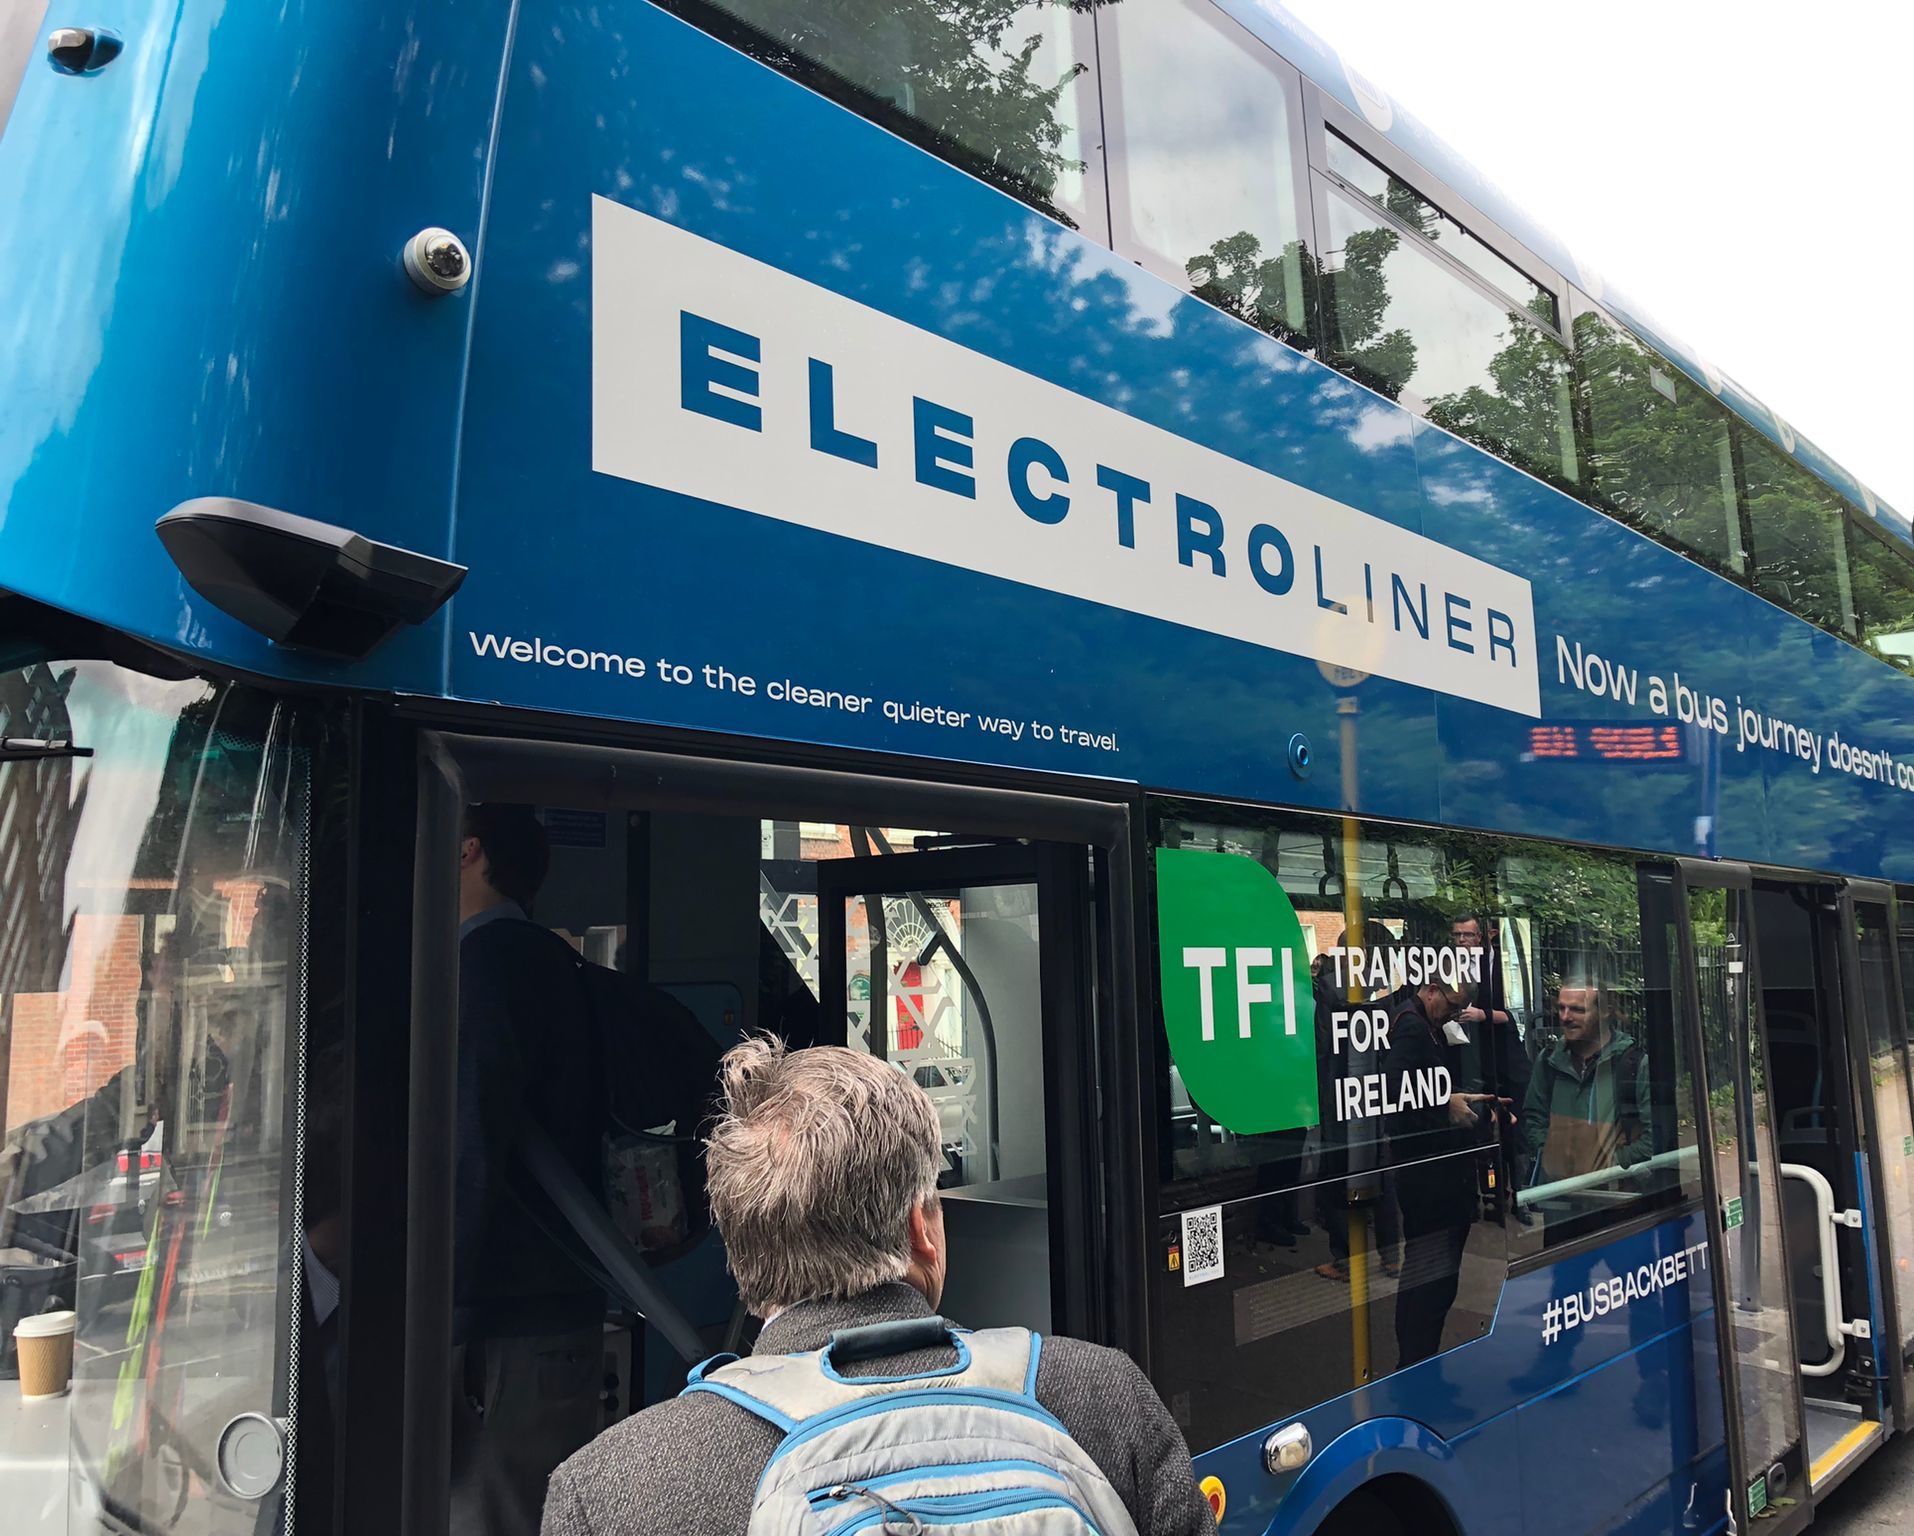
x,y
1390,192
999,92
1203,184
1415,329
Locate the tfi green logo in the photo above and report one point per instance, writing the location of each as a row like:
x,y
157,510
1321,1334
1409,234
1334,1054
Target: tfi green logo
x,y
1236,1001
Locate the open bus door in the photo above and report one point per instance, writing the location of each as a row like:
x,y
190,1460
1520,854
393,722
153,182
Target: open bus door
x,y
1878,1050
1754,1315
969,966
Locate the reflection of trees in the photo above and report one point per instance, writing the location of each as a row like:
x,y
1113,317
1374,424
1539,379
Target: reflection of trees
x,y
1654,462
1520,413
1883,583
1356,294
1273,292
1525,415
970,80
1264,291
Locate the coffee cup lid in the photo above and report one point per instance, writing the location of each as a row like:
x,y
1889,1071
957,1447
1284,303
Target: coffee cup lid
x,y
46,1325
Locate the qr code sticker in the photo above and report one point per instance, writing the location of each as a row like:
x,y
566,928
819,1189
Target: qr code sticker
x,y
1203,1245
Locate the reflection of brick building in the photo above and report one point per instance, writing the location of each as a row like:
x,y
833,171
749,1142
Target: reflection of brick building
x,y
64,1045
68,1042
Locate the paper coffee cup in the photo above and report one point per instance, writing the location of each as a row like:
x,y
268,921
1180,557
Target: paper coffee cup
x,y
45,1346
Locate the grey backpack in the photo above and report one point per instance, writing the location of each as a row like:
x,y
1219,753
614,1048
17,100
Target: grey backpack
x,y
963,1451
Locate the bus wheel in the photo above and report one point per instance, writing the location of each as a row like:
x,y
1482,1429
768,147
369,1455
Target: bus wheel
x,y
1391,1506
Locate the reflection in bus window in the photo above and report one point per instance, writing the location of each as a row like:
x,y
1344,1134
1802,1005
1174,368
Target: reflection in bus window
x,y
1001,91
1659,453
1602,1134
1203,186
1409,326
1365,1232
1494,1070
1882,572
1412,208
1798,526
148,945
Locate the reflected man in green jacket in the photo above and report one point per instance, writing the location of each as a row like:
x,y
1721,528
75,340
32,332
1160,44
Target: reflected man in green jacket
x,y
1588,1102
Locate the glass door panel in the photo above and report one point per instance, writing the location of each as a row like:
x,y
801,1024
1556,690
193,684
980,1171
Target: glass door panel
x,y
151,942
1883,1067
1755,1323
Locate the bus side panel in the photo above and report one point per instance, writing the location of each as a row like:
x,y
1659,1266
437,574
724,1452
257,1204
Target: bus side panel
x,y
1599,1373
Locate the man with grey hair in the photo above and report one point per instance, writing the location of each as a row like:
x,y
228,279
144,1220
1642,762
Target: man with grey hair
x,y
822,1172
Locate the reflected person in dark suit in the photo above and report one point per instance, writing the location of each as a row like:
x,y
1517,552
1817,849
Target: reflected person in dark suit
x,y
1435,1173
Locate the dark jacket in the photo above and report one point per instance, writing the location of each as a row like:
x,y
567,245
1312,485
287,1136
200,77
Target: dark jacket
x,y
689,1467
528,1051
1435,1178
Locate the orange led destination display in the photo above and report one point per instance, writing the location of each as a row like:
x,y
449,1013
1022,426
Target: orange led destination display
x,y
1601,741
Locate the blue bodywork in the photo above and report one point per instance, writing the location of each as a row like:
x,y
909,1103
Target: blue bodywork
x,y
1619,1428
202,297
236,325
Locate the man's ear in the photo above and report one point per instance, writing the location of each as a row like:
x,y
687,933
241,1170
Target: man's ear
x,y
923,1246
471,850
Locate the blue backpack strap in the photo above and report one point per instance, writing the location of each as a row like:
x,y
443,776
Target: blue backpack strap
x,y
1036,1356
704,1367
754,1406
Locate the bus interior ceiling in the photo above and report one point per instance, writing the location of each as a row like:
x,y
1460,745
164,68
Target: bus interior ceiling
x,y
1813,1131
720,913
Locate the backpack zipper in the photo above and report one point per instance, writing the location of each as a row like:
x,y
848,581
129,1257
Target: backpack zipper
x,y
975,1507
819,1496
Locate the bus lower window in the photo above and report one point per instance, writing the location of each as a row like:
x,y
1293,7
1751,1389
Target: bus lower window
x,y
698,929
1393,1060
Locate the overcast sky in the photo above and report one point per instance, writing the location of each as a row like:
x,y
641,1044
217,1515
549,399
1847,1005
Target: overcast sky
x,y
1745,172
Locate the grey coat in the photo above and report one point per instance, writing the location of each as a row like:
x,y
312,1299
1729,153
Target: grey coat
x,y
688,1467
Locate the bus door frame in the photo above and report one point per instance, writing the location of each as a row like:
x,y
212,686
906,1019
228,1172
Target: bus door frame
x,y
1890,1373
457,766
1065,919
1696,874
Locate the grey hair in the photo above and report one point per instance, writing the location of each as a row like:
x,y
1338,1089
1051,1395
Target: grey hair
x,y
814,1165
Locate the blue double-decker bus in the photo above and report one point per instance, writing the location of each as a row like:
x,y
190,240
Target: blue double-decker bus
x,y
1073,547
